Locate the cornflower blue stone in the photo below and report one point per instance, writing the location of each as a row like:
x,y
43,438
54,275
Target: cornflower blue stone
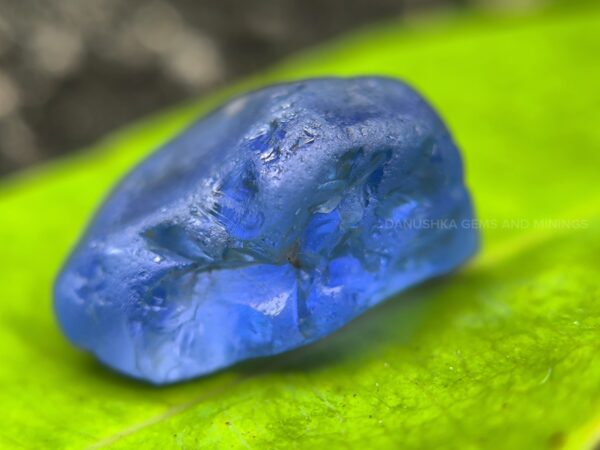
x,y
266,225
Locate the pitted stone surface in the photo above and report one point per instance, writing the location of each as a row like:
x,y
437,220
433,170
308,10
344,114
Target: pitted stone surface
x,y
266,225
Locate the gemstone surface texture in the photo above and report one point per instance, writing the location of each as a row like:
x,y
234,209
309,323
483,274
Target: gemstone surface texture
x,y
269,223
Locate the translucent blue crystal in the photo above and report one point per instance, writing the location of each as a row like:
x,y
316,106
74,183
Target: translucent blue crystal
x,y
266,225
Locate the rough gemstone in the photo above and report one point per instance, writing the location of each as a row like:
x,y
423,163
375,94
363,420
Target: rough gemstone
x,y
266,225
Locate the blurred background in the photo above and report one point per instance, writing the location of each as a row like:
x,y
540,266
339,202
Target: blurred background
x,y
72,70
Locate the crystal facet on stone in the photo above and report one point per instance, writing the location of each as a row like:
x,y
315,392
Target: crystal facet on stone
x,y
266,225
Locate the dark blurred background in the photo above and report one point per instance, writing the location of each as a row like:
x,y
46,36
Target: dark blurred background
x,y
72,70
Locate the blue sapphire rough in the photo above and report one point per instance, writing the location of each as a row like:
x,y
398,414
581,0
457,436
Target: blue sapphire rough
x,y
268,224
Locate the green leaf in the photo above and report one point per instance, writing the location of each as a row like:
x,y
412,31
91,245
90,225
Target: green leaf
x,y
501,355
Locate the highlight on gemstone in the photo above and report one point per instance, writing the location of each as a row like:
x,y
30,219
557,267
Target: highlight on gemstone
x,y
268,224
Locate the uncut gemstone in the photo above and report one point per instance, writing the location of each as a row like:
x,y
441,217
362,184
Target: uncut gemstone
x,y
268,224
